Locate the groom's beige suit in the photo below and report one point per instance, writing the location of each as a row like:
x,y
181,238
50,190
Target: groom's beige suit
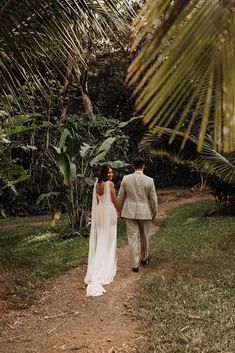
x,y
138,200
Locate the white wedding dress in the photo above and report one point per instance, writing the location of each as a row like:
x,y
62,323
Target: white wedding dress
x,y
102,258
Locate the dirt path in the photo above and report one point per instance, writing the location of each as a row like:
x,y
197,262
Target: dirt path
x,y
63,319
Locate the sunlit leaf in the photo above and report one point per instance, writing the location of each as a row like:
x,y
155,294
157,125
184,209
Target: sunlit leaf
x,y
65,168
117,164
185,66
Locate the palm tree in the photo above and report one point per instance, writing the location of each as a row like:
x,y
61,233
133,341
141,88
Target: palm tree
x,y
34,33
207,161
186,62
218,169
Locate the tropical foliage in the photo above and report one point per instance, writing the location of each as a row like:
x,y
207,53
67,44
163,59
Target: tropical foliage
x,y
73,169
186,65
60,175
11,171
207,161
62,58
34,34
217,168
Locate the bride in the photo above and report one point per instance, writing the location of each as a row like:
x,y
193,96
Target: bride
x,y
102,257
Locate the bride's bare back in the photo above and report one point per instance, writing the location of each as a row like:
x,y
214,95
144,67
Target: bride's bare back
x,y
100,188
100,191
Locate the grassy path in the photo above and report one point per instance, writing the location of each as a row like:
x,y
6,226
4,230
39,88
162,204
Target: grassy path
x,y
62,319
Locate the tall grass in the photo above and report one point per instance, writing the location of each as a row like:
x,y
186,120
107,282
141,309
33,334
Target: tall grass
x,y
186,302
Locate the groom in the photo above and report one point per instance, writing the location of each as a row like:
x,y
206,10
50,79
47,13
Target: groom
x,y
138,201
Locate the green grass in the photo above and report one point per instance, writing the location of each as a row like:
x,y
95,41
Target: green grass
x,y
187,301
31,250
121,231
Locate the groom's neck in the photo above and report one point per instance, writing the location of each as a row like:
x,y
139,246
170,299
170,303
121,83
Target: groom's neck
x,y
139,169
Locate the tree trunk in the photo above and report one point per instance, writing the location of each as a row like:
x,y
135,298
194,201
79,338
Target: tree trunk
x,y
65,104
83,86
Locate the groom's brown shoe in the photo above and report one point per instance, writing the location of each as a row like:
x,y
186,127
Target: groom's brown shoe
x,y
135,269
144,262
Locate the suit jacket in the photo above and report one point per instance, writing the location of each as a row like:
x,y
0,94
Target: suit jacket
x,y
137,196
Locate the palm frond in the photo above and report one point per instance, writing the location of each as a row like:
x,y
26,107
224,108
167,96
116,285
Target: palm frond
x,y
186,62
31,31
207,160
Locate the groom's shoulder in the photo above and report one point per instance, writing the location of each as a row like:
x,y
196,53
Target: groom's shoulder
x,y
128,176
132,175
148,179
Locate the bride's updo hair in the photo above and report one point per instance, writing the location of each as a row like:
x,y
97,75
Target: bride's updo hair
x,y
103,176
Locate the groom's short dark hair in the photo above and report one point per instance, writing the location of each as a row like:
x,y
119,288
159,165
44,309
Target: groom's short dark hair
x,y
138,163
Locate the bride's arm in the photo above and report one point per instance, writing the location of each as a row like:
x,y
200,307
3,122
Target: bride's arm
x,y
114,197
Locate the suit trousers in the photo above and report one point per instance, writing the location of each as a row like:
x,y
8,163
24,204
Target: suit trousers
x,y
138,234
